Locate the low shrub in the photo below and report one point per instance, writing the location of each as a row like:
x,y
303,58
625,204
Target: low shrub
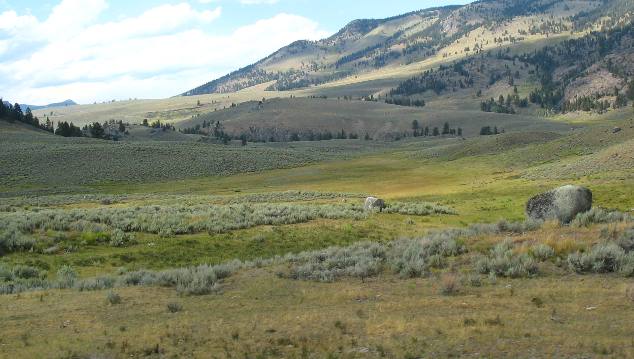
x,y
626,240
93,236
599,215
113,298
66,277
502,261
474,280
360,260
119,238
98,283
542,252
417,209
12,240
174,307
407,257
26,272
412,258
199,280
603,258
529,225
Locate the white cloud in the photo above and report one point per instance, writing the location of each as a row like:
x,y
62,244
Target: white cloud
x,y
164,51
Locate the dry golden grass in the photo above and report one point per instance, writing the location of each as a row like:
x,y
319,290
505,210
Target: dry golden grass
x,y
259,315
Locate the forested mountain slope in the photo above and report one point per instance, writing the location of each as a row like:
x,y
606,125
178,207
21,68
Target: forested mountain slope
x,y
453,32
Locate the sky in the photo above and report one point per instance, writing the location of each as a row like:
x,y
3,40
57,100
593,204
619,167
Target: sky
x,y
100,50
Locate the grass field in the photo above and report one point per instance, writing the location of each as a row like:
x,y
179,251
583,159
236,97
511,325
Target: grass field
x,y
171,245
451,311
260,315
105,229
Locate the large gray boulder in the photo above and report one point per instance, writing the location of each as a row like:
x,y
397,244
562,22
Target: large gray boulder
x,y
372,203
562,204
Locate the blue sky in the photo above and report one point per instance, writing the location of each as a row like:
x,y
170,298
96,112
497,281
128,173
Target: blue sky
x,y
97,50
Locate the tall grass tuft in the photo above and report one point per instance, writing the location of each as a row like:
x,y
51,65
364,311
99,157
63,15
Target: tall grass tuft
x,y
450,284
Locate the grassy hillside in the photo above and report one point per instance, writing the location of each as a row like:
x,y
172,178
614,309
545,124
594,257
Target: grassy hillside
x,y
37,160
377,119
134,111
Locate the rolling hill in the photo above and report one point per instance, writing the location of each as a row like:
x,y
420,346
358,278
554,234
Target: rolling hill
x,y
280,118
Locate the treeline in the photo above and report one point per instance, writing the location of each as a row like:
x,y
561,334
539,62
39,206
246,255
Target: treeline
x,y
405,101
428,81
109,130
490,131
162,125
398,101
66,129
216,132
13,113
294,79
504,105
447,130
437,81
357,55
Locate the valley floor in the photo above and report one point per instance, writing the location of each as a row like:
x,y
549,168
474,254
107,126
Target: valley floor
x,y
310,290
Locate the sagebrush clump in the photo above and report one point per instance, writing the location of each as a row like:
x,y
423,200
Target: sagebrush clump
x,y
542,252
502,261
599,215
115,225
603,258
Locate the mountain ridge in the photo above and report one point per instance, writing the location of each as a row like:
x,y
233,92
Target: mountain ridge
x,y
369,45
65,103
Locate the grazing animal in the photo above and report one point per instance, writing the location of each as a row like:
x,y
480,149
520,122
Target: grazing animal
x,y
372,203
563,204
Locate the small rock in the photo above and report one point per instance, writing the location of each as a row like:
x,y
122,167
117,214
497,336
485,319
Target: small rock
x,y
616,130
372,203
